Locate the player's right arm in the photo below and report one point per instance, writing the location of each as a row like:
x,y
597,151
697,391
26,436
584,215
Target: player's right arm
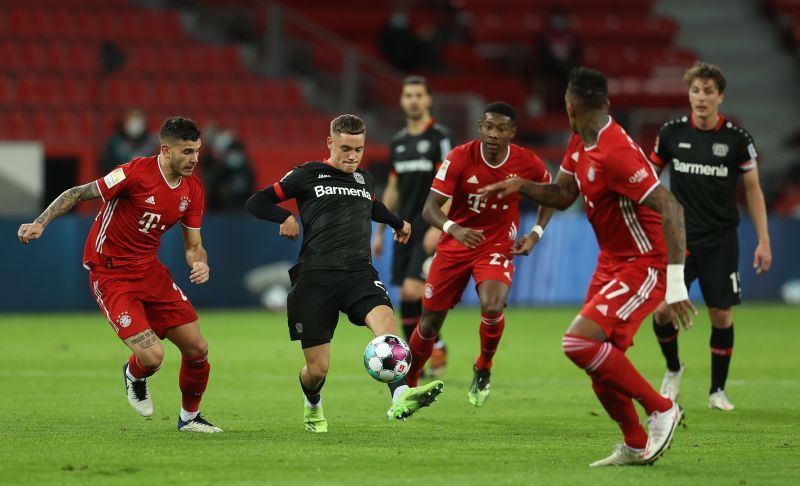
x,y
433,214
61,205
660,156
391,198
264,203
559,194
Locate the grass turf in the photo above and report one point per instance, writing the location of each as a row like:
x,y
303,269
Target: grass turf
x,y
65,418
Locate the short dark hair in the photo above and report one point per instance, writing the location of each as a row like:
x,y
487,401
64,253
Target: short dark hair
x,y
349,124
704,70
179,128
411,80
501,108
589,86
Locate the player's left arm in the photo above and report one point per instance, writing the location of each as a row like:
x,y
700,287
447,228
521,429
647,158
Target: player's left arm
x,y
61,205
762,258
196,256
525,245
381,214
672,223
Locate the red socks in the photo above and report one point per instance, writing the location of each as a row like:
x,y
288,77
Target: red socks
x,y
620,408
421,350
193,380
491,331
137,370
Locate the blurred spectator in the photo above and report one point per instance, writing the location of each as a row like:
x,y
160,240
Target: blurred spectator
x,y
227,172
129,141
558,50
400,45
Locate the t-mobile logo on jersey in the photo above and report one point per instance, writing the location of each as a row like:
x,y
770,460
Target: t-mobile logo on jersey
x,y
476,203
149,220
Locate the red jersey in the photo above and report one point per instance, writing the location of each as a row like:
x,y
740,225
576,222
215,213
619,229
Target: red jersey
x,y
463,172
614,177
139,206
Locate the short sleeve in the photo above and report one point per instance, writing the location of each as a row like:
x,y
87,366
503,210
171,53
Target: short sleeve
x,y
444,148
630,174
571,155
538,170
747,155
115,183
446,180
660,155
292,184
193,218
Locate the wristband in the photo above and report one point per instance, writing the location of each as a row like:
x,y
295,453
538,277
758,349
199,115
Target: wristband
x,y
676,286
447,224
538,230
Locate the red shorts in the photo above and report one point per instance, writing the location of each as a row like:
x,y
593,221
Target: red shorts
x,y
621,294
136,301
449,276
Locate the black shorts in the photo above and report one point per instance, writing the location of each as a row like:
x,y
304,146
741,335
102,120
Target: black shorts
x,y
317,297
407,262
715,265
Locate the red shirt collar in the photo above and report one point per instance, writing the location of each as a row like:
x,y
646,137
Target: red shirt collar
x,y
715,129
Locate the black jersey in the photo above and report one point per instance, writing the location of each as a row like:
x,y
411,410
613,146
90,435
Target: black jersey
x,y
336,211
704,168
414,159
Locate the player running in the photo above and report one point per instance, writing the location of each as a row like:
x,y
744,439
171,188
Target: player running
x,y
479,241
707,154
415,153
143,199
638,225
334,270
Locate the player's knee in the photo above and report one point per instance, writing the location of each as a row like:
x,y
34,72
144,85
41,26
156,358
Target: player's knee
x,y
196,348
317,371
582,351
492,308
720,318
429,326
151,358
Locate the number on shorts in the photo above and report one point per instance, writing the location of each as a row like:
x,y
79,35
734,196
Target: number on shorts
x,y
735,282
183,296
380,285
623,288
496,260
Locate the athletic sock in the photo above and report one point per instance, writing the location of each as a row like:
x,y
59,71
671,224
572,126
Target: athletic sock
x,y
609,366
409,316
491,330
312,397
193,380
667,337
421,350
721,351
620,408
188,416
137,372
396,388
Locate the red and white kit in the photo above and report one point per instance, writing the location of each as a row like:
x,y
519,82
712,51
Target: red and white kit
x,y
132,287
614,177
459,177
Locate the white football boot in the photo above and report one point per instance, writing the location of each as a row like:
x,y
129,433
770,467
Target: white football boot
x,y
719,401
661,427
138,394
671,385
198,424
622,456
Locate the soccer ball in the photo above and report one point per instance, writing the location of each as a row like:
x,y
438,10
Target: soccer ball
x,y
387,358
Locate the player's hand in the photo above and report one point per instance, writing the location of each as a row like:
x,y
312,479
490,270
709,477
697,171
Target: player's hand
x,y
762,259
683,311
377,244
289,228
431,239
200,273
29,231
467,236
402,235
501,189
525,245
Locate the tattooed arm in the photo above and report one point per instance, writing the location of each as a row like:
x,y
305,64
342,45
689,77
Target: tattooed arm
x,y
62,204
559,194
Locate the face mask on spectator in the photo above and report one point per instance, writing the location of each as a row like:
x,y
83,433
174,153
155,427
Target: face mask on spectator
x,y
134,127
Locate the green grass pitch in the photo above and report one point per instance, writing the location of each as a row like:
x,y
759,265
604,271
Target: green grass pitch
x,y
65,420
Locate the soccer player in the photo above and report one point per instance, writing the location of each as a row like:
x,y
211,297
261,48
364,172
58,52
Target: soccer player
x,y
334,270
707,154
143,199
415,153
639,228
479,241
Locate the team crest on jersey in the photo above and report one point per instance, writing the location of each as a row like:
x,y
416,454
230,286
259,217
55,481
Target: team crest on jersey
x,y
428,291
124,319
720,149
184,204
423,146
590,175
358,177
